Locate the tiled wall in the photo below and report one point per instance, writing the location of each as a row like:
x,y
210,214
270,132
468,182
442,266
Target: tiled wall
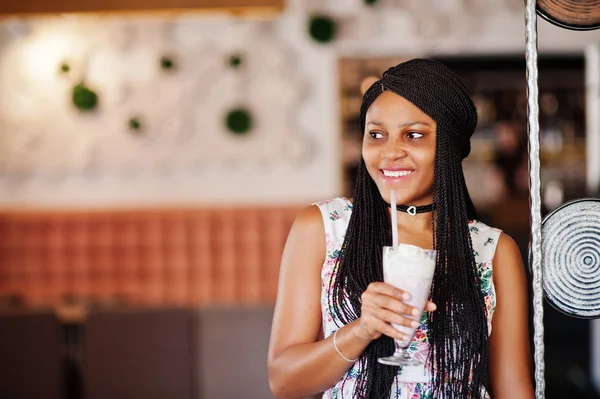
x,y
151,257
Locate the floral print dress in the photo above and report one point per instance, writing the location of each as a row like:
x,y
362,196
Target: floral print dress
x,y
411,382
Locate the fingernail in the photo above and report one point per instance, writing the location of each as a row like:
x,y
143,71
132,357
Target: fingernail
x,y
434,306
406,296
415,312
414,324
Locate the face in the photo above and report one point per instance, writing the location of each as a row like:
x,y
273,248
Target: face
x,y
399,149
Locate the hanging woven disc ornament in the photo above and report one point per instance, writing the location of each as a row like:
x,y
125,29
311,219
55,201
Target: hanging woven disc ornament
x,y
571,14
571,258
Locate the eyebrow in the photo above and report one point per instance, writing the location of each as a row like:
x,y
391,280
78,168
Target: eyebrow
x,y
411,123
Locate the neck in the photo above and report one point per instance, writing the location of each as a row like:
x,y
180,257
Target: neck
x,y
421,222
414,210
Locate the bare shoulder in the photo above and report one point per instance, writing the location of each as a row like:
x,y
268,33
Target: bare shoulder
x,y
507,249
306,240
309,226
508,263
310,218
506,244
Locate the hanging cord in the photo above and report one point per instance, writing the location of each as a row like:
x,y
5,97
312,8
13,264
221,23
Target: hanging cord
x,y
531,55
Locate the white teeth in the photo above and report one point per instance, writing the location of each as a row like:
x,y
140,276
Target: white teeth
x,y
396,173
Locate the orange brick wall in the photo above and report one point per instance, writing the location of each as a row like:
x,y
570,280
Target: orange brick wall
x,y
150,257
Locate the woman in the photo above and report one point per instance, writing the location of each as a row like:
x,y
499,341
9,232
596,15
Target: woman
x,y
333,312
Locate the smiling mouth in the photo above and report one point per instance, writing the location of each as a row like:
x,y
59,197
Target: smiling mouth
x,y
396,173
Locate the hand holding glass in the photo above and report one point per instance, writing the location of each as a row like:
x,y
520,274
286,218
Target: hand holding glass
x,y
409,268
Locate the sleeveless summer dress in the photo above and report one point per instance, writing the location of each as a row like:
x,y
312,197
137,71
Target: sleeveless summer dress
x,y
411,382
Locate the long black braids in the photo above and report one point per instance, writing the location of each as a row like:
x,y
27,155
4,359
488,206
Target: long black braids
x,y
458,331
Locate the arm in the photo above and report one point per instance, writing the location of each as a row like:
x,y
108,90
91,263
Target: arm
x,y
509,342
299,366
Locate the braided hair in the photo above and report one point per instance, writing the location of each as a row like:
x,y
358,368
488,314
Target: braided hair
x,y
457,330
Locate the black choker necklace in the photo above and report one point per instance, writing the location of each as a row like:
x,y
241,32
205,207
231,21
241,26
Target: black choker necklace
x,y
413,210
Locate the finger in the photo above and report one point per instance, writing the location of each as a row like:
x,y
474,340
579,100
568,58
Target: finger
x,y
389,290
430,306
395,334
390,331
391,317
396,306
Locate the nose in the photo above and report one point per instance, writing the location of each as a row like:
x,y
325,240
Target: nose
x,y
393,150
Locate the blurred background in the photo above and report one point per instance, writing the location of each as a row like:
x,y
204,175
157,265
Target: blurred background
x,y
153,156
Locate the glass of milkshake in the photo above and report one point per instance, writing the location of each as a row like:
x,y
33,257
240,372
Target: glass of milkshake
x,y
409,268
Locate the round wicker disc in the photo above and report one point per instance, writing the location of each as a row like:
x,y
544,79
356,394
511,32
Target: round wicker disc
x,y
571,258
571,14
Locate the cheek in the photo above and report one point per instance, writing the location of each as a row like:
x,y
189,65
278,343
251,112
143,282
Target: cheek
x,y
370,154
426,162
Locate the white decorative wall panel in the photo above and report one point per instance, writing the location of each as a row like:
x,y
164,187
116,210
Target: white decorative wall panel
x,y
46,142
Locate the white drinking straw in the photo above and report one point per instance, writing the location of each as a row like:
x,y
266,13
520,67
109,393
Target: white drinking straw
x,y
394,219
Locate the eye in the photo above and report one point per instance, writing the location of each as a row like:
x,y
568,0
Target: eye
x,y
414,135
376,135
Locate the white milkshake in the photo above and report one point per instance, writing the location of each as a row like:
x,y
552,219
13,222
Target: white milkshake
x,y
409,268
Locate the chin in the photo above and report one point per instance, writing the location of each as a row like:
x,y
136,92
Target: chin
x,y
400,199
406,196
